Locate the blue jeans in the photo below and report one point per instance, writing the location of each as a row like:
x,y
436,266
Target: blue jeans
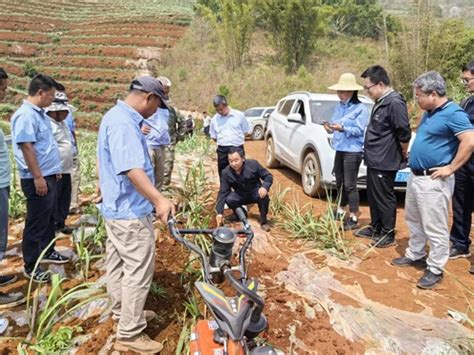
x,y
4,192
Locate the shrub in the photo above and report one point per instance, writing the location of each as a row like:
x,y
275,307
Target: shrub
x,y
29,69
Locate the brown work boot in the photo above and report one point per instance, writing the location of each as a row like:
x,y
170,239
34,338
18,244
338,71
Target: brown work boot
x,y
141,344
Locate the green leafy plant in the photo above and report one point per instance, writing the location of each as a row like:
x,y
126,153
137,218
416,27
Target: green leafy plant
x,y
326,231
157,291
58,342
277,201
17,200
234,25
29,69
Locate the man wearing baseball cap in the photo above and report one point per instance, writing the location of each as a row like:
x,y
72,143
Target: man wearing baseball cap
x,y
58,111
128,196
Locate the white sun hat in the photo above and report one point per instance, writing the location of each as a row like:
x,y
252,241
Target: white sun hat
x,y
347,82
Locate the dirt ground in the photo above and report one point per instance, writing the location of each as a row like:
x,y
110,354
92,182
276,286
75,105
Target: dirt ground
x,y
292,327
398,292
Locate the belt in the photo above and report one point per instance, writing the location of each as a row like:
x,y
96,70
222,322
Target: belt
x,y
422,172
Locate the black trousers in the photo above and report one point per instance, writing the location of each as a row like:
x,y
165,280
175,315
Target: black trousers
x,y
238,199
346,169
463,206
63,200
39,223
382,200
222,159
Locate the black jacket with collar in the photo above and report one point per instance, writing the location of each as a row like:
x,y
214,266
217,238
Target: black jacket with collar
x,y
388,128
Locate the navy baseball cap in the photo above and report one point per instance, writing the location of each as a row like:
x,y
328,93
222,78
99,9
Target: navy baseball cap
x,y
152,85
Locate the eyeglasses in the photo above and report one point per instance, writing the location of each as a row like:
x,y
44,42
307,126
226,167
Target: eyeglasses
x,y
367,88
466,81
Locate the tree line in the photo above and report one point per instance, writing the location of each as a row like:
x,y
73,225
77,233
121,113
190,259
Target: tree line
x,y
412,43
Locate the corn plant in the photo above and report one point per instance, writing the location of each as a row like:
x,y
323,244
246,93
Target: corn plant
x,y
87,145
195,197
17,200
197,143
189,317
324,230
157,291
60,304
86,249
277,201
58,342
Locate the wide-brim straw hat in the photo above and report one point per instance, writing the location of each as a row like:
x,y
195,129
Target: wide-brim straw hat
x,y
347,82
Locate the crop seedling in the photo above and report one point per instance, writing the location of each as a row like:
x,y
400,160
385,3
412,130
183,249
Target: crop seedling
x,y
157,291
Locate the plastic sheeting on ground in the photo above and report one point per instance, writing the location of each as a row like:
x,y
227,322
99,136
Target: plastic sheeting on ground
x,y
380,327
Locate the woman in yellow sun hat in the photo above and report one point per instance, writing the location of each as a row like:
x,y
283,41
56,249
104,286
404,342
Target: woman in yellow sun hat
x,y
348,125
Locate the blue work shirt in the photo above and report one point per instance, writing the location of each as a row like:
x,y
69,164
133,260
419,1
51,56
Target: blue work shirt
x,y
31,125
354,118
71,124
159,135
4,162
229,130
436,143
122,147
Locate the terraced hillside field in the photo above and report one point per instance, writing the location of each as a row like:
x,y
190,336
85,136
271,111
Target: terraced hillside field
x,y
93,47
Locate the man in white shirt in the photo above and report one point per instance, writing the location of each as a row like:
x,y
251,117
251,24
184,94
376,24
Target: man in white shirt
x,y
58,112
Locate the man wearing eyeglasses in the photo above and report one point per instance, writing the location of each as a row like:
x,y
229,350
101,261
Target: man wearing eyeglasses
x,y
385,152
464,183
444,142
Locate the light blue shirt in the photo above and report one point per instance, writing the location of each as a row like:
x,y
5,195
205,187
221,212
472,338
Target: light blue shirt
x,y
354,118
4,162
229,130
71,124
122,147
159,134
31,125
436,142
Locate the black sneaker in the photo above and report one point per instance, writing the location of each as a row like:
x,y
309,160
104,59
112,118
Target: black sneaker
x,y
455,253
429,280
365,232
351,223
39,276
384,240
404,261
7,279
9,300
54,258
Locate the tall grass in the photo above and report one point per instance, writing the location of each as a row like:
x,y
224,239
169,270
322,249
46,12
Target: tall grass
x,y
325,230
87,146
17,200
198,143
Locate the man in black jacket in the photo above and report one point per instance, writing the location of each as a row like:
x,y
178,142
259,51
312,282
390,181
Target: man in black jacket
x,y
464,183
385,152
244,182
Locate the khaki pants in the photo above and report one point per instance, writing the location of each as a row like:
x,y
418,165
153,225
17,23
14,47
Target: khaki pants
x,y
158,162
426,213
130,261
75,182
